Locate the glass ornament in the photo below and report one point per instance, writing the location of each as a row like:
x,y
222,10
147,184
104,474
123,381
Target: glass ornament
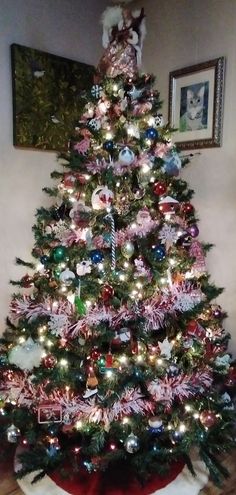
x,y
127,249
132,444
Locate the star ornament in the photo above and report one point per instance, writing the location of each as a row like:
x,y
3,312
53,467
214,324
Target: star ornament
x,y
165,348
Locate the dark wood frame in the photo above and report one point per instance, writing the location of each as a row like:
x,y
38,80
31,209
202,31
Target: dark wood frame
x,y
69,67
218,65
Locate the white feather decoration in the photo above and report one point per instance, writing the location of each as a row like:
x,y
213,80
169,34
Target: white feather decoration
x,y
26,356
112,16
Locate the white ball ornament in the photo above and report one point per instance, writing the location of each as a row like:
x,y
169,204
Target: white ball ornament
x,y
26,356
101,198
126,156
67,277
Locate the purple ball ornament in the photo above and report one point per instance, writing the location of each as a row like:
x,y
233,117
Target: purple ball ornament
x,y
193,230
216,311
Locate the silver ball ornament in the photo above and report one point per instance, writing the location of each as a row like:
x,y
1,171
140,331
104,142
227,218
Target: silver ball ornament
x,y
67,277
13,434
132,444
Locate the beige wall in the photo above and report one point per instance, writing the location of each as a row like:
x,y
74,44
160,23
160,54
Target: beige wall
x,y
69,28
182,33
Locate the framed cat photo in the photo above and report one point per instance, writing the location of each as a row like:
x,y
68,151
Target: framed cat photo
x,y
196,104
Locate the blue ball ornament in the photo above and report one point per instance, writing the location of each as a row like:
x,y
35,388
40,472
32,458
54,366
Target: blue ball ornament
x,y
108,145
159,252
151,133
172,164
156,431
176,437
156,426
44,259
96,256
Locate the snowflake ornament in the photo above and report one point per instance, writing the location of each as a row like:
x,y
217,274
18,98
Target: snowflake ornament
x,y
165,348
96,91
57,324
168,235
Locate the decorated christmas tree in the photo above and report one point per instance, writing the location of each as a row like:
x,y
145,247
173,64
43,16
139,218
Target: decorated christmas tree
x,y
115,352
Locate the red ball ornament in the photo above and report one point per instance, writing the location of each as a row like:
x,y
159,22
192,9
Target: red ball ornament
x,y
95,354
49,361
27,281
231,378
159,188
208,418
107,292
187,208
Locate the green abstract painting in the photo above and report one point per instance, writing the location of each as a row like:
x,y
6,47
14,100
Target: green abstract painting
x,y
47,97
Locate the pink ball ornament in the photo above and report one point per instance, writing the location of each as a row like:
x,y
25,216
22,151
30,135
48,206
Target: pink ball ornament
x,y
208,418
49,361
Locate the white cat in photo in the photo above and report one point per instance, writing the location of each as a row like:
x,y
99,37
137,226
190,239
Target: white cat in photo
x,y
192,119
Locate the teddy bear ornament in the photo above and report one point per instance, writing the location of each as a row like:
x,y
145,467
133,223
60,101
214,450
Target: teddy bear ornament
x,y
123,34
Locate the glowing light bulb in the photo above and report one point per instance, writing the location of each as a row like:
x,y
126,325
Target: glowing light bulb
x,y
41,338
100,266
122,277
123,359
182,428
172,262
49,343
115,88
88,303
188,408
145,168
196,415
109,135
109,374
126,264
21,340
78,425
159,361
63,363
125,420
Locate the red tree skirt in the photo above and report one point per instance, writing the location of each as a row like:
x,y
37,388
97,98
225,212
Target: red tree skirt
x,y
115,483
